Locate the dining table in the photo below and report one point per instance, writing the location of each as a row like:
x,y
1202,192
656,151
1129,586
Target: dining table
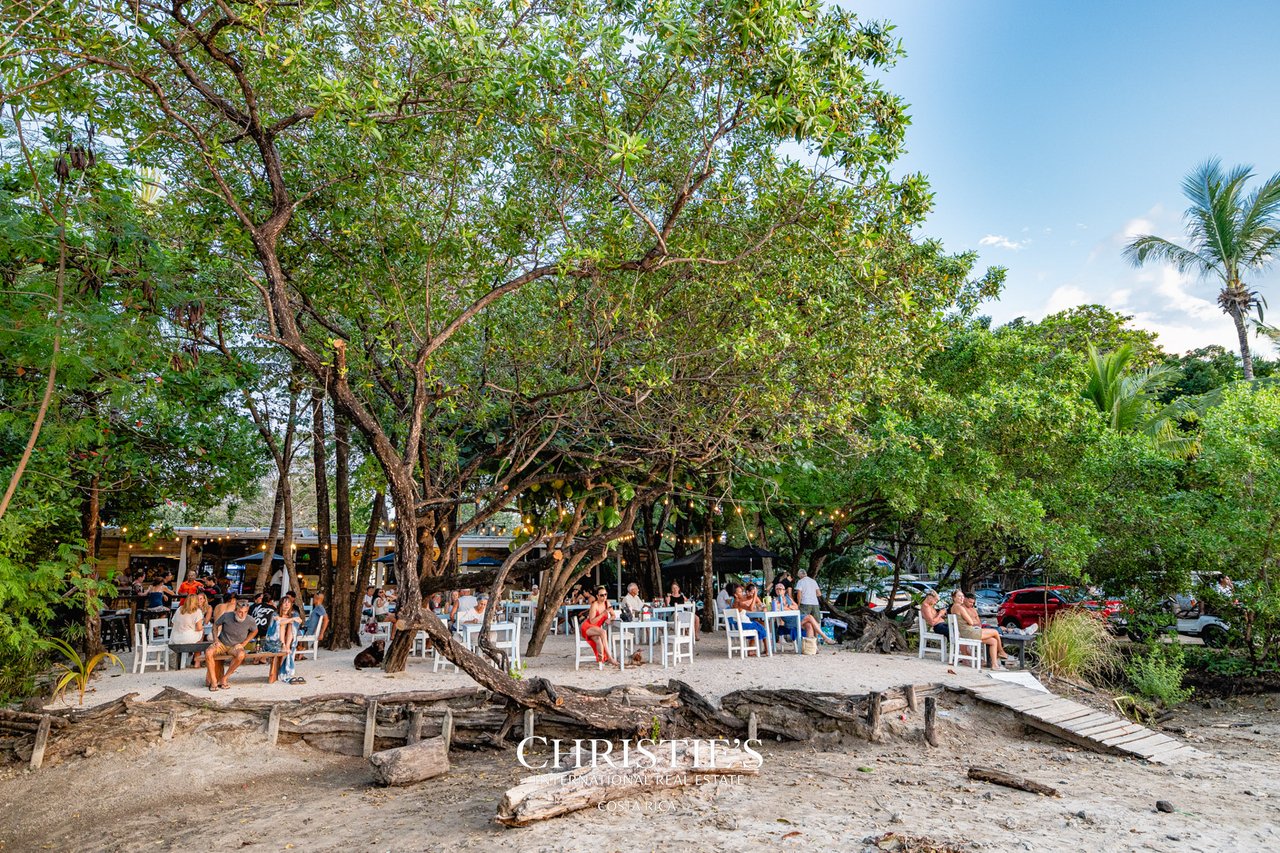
x,y
651,627
767,617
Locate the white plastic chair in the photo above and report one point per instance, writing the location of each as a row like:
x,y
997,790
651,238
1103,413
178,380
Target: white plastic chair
x,y
582,650
963,650
929,639
746,638
147,653
679,641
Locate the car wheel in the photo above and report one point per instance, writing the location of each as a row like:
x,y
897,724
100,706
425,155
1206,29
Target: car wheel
x,y
1214,636
1010,623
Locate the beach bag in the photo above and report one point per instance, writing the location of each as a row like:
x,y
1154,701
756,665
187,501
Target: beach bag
x,y
829,631
809,645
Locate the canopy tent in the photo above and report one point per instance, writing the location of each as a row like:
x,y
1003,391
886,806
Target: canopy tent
x,y
724,560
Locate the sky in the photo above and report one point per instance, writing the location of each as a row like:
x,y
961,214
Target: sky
x,y
1052,132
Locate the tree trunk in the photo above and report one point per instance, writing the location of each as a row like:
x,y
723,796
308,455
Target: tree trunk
x,y
92,536
273,534
352,605
1242,334
708,571
319,461
344,577
560,578
413,563
289,547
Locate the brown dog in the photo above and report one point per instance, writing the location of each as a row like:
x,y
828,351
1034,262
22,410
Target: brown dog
x,y
372,656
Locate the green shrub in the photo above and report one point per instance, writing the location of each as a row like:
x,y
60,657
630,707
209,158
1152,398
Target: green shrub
x,y
1076,644
1157,673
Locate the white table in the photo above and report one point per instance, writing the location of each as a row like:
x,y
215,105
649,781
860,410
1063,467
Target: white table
x,y
767,616
652,626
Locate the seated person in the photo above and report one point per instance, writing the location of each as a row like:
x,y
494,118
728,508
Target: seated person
x,y
742,600
632,600
970,627
783,602
231,633
317,620
935,617
186,634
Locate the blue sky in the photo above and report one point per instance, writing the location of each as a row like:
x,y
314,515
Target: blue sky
x,y
1052,131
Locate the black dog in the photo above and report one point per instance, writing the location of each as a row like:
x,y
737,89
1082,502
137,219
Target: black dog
x,y
372,656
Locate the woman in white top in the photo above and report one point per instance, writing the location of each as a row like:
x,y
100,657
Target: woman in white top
x,y
188,622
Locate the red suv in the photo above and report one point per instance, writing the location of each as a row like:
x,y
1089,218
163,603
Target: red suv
x,y
1025,607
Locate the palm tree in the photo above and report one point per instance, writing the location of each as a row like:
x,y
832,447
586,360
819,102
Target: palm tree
x,y
1231,234
1128,398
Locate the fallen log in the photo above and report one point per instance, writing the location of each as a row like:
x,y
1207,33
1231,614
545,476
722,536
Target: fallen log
x,y
676,764
996,777
406,765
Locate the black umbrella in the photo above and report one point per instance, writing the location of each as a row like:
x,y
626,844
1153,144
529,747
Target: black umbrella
x,y
255,559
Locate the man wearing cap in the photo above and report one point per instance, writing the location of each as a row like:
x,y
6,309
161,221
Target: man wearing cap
x,y
231,632
807,592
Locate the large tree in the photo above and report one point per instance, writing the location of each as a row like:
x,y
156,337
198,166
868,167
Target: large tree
x,y
1232,233
523,245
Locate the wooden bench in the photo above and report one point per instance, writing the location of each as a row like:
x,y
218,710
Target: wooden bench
x,y
274,660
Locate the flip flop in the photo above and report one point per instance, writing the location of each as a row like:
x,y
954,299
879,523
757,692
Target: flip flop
x,y
224,686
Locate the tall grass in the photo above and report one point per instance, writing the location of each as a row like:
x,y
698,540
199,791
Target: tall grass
x,y
1076,644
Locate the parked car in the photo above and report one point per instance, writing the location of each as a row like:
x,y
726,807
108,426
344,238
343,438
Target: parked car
x,y
1029,606
987,602
1190,619
876,597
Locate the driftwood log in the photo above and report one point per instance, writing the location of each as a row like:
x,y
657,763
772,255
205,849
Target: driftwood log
x,y
406,765
996,777
803,715
676,765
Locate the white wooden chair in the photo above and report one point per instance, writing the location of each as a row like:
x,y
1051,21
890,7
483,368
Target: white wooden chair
x,y
679,641
929,640
739,634
158,632
505,636
307,644
963,650
382,631
439,661
147,652
582,650
419,649
722,617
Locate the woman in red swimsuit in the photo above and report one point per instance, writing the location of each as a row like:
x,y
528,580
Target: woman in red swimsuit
x,y
592,628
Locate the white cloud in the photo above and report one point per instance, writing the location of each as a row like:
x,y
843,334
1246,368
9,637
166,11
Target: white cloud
x,y
1119,297
1002,242
1172,286
1066,296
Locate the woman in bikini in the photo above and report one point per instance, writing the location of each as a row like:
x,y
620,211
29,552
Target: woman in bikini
x,y
592,628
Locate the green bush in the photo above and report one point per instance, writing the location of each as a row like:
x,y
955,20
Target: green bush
x,y
1076,644
1157,673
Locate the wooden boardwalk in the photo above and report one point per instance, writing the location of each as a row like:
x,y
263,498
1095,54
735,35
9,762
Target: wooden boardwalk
x,y
1080,724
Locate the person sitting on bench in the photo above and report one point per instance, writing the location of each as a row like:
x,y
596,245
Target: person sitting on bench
x,y
231,632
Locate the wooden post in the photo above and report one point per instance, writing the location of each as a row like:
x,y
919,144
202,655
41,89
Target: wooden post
x,y
909,691
528,723
170,723
930,720
370,726
273,725
446,728
415,727
42,738
873,709
753,726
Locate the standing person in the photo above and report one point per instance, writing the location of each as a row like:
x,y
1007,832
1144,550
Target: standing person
x,y
288,622
230,634
807,593
277,583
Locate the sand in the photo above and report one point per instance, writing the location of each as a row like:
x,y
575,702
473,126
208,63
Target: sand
x,y
195,793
